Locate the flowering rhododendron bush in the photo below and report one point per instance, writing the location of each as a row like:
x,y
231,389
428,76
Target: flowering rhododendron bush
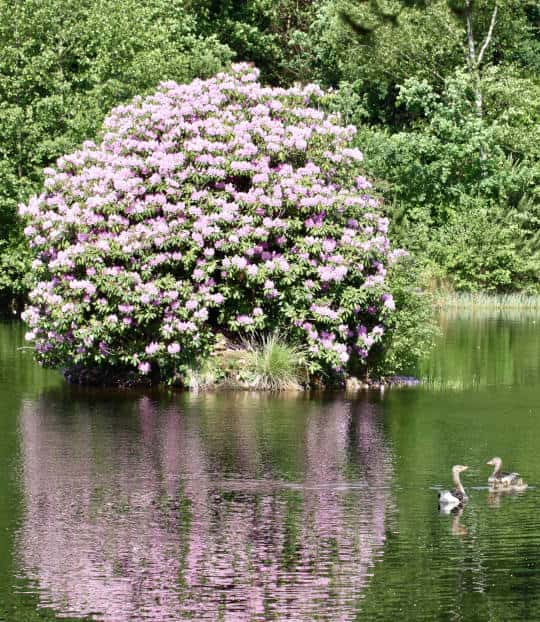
x,y
220,206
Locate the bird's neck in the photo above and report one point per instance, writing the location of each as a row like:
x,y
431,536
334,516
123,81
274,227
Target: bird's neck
x,y
496,470
457,482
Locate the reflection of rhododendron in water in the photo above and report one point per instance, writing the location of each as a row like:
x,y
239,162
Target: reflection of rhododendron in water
x,y
137,521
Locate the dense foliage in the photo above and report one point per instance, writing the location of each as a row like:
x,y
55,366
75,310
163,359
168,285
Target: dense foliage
x,y
463,189
454,139
216,207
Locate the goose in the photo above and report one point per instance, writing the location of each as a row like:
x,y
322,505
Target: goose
x,y
501,480
457,496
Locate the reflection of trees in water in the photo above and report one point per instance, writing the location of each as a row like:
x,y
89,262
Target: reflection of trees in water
x,y
483,351
136,522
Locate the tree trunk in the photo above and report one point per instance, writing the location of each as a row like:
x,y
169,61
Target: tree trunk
x,y
474,59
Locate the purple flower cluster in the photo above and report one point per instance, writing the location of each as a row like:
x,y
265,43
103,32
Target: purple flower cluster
x,y
216,205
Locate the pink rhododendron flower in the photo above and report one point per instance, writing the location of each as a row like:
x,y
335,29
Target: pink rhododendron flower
x,y
144,367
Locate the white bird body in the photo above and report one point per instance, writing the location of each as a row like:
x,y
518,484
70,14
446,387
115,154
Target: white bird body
x,y
456,497
446,497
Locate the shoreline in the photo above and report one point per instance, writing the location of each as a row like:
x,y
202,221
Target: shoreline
x,y
103,379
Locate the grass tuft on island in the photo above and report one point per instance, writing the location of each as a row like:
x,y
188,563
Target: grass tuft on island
x,y
265,364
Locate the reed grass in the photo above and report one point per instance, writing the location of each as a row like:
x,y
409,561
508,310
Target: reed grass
x,y
488,301
267,363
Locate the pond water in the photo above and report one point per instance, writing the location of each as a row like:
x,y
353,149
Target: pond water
x,y
238,507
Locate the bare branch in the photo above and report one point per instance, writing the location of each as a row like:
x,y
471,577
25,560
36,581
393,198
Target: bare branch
x,y
489,35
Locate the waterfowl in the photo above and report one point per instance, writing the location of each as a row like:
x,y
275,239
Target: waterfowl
x,y
501,480
457,496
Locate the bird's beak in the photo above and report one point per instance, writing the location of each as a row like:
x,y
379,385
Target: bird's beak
x,y
490,462
465,468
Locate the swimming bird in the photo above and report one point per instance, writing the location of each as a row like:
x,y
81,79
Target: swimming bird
x,y
501,480
457,496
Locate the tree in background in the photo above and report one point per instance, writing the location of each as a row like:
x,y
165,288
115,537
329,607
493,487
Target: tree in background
x,y
453,134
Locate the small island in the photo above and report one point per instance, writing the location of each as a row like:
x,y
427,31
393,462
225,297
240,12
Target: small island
x,y
219,233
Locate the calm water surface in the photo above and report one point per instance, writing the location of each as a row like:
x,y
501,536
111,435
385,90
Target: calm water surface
x,y
155,507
